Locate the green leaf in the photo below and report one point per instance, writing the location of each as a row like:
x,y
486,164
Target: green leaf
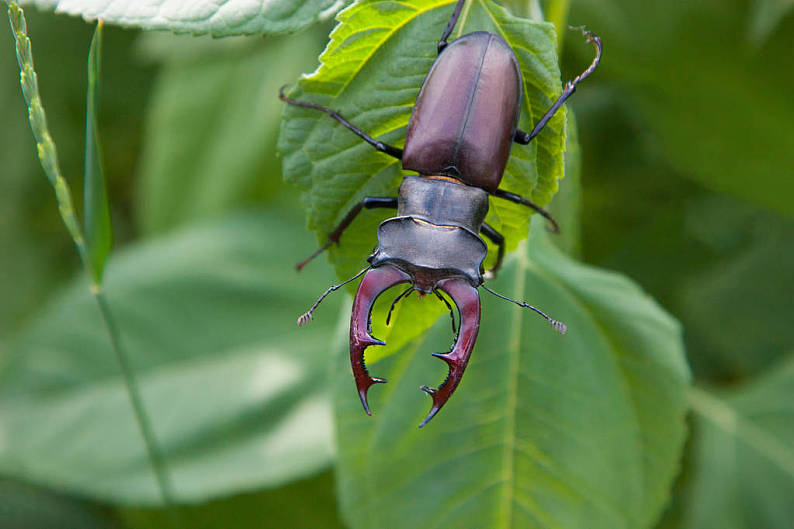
x,y
282,508
717,111
577,431
743,462
567,205
212,125
234,390
766,16
371,72
234,17
25,507
96,214
739,309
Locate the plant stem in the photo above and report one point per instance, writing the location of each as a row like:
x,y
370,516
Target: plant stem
x,y
45,148
142,418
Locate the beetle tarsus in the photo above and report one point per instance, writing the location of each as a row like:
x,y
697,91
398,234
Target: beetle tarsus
x,y
314,254
570,87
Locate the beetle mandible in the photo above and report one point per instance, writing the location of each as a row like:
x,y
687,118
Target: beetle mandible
x,y
458,140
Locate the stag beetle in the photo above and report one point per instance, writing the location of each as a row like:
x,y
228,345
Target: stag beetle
x,y
458,140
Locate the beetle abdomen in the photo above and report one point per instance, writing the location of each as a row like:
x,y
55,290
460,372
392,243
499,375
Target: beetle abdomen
x,y
467,111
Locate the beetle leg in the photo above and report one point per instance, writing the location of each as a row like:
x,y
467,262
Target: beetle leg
x,y
334,236
518,199
467,300
442,43
380,146
449,307
499,240
570,87
373,285
405,293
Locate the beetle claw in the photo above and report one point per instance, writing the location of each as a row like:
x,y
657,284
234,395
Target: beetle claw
x,y
468,301
373,285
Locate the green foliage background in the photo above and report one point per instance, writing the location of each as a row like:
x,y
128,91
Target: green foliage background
x,y
684,136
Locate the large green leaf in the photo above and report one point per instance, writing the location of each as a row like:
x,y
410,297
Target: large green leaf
x,y
234,390
371,72
212,124
743,458
577,431
233,17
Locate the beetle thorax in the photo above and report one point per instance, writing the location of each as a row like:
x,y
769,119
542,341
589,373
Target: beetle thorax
x,y
434,235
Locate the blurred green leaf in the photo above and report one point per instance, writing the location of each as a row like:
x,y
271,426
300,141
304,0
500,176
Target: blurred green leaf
x,y
233,17
96,212
235,393
765,16
567,205
371,72
715,101
577,431
739,308
212,125
26,507
743,468
306,504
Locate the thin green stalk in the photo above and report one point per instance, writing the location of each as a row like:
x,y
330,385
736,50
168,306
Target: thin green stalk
x,y
45,147
156,457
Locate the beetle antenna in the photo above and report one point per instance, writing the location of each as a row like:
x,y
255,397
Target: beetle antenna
x,y
559,326
306,317
596,42
406,293
451,312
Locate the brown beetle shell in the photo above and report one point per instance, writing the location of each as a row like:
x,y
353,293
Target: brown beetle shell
x,y
467,111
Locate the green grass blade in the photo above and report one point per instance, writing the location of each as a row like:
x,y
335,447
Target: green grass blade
x,y
96,218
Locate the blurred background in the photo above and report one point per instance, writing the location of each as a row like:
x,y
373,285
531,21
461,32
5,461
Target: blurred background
x,y
686,136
